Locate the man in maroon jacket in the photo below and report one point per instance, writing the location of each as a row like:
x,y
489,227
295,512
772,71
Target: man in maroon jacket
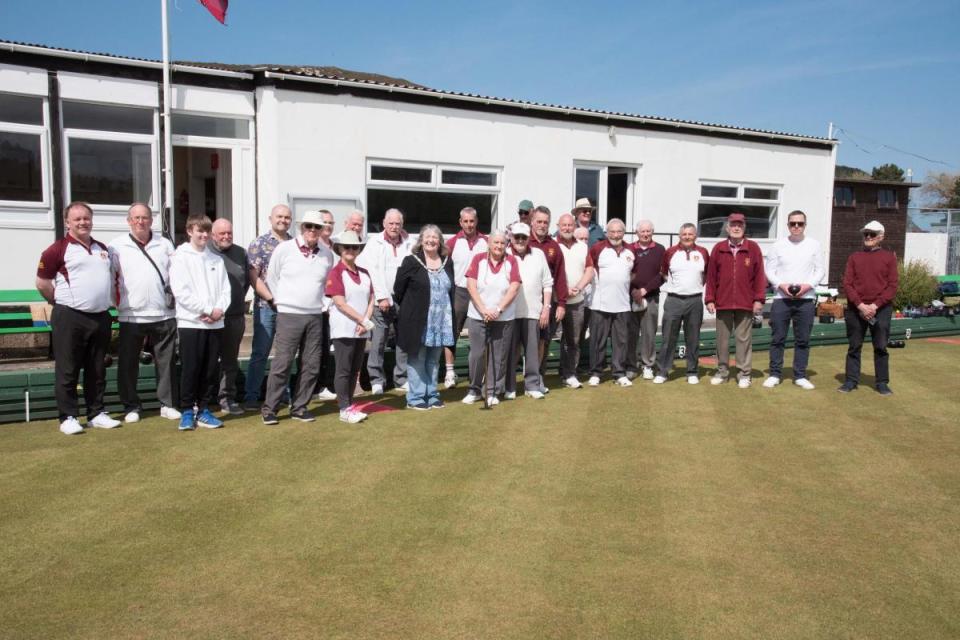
x,y
735,290
870,283
645,284
540,239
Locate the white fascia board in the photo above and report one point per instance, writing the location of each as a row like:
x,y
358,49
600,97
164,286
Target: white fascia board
x,y
213,101
25,80
79,86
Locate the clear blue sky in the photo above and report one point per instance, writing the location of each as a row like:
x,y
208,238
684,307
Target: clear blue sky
x,y
887,73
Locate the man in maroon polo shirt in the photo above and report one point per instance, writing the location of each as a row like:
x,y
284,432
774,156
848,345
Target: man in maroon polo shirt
x,y
540,239
735,290
870,282
645,284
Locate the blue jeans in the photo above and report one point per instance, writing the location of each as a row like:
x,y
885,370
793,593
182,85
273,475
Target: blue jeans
x,y
800,313
264,326
422,376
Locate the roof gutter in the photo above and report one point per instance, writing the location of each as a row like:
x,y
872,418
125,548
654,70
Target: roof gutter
x,y
97,57
441,95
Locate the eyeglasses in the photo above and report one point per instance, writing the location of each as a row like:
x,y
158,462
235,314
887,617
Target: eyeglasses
x,y
519,237
797,224
869,234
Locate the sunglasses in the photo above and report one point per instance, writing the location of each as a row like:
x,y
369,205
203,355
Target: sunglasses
x,y
869,234
309,226
519,237
797,224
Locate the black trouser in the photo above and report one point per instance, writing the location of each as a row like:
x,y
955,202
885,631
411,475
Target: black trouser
x,y
199,367
163,337
233,329
879,334
348,352
80,341
327,365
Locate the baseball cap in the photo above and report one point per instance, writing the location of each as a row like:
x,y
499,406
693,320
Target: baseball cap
x,y
737,217
520,229
525,205
873,225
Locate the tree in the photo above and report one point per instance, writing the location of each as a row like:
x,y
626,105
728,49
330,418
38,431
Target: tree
x,y
843,171
941,190
889,172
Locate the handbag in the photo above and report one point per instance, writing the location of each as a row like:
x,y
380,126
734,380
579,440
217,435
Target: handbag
x,y
168,298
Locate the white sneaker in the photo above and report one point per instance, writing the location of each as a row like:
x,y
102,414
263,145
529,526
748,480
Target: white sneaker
x,y
647,373
743,383
803,383
572,382
624,381
659,379
404,387
353,409
450,380
376,389
510,395
470,398
544,390
693,380
326,394
594,381
717,380
169,413
131,417
70,426
771,382
493,401
103,421
536,395
350,417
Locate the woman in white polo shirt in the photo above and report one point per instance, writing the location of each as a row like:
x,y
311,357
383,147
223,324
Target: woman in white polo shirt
x,y
351,290
493,280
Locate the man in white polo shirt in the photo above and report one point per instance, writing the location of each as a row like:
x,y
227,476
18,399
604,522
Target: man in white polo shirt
x,y
468,242
381,258
75,275
794,267
297,280
578,266
145,310
684,271
610,307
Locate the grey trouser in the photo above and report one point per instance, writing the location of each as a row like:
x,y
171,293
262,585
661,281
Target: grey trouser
x,y
572,328
481,373
348,356
526,336
230,339
643,323
294,332
688,312
163,337
614,326
739,323
381,328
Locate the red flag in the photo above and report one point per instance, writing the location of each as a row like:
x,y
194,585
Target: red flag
x,y
217,8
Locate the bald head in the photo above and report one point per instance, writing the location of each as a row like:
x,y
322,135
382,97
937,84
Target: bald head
x,y
222,233
280,220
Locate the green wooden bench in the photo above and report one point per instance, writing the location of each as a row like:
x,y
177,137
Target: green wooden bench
x,y
25,311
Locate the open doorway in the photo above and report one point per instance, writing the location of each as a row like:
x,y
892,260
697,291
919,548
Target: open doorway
x,y
202,183
609,188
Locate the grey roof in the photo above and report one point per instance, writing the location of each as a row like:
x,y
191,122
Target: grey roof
x,y
337,74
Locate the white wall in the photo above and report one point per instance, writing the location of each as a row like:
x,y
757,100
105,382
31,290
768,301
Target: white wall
x,y
317,143
928,247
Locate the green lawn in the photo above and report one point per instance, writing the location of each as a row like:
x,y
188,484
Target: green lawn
x,y
663,512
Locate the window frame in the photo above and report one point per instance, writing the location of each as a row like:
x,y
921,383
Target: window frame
x,y
896,199
845,205
46,168
740,199
115,136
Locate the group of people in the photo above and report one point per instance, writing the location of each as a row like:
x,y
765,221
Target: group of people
x,y
317,293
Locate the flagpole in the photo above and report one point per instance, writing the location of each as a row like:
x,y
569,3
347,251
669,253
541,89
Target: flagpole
x,y
167,129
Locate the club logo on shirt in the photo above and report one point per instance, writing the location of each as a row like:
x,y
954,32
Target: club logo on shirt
x,y
104,255
746,261
551,251
40,266
696,257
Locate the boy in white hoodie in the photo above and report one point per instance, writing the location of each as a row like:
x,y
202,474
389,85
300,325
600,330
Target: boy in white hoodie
x,y
200,285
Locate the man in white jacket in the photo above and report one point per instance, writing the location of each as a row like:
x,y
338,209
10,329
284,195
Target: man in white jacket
x,y
202,290
533,312
142,265
381,258
297,279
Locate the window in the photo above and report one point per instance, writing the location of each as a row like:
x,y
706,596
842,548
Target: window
x,y
843,197
887,198
759,204
210,127
430,193
110,154
609,188
23,150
